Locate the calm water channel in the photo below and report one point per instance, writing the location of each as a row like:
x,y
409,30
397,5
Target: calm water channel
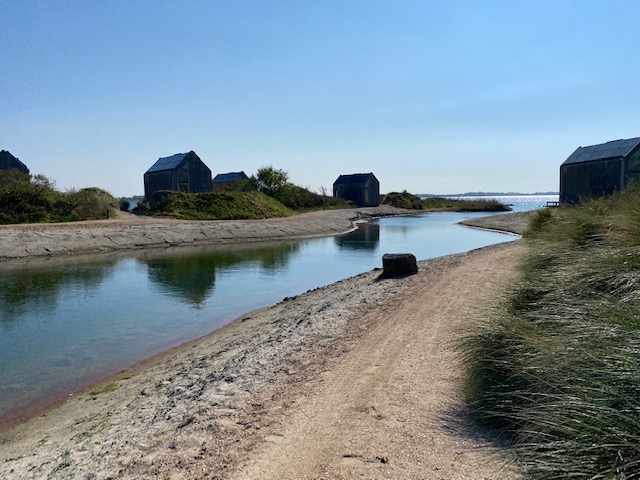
x,y
66,322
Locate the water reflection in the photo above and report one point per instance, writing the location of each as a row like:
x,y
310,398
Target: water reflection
x,y
191,277
36,289
366,237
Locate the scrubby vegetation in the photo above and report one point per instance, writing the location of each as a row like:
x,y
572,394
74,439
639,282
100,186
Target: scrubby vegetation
x,y
556,370
26,198
403,200
301,199
275,183
413,202
266,194
218,206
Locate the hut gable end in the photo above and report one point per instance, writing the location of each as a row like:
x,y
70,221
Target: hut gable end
x,y
182,172
363,189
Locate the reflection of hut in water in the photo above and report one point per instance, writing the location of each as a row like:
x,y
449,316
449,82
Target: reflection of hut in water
x,y
227,181
597,170
191,276
182,172
363,189
8,162
37,289
366,237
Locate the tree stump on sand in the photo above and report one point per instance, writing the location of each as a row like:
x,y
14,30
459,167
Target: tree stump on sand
x,y
398,265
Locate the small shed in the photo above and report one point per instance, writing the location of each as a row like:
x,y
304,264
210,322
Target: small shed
x,y
363,189
8,162
225,181
598,170
182,172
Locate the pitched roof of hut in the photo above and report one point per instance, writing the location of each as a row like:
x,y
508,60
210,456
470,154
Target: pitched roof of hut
x,y
355,178
170,163
229,177
612,149
8,161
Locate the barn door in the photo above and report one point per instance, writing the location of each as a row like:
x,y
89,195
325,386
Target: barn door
x,y
183,178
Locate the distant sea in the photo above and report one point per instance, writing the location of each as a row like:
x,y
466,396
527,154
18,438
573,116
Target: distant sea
x,y
518,202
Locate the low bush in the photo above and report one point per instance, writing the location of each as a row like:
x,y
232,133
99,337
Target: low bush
x,y
413,202
299,198
403,200
28,198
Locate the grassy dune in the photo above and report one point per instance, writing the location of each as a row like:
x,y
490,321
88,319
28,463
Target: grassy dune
x,y
217,206
556,369
437,204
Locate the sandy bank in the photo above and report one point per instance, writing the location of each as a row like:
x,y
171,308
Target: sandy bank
x,y
515,222
364,367
127,232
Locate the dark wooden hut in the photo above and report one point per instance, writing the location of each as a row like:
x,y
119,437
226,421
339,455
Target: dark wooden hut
x,y
8,162
363,189
598,170
182,172
226,181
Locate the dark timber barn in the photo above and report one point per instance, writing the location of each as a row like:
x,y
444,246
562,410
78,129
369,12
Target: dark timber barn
x,y
8,162
182,172
225,181
598,170
363,189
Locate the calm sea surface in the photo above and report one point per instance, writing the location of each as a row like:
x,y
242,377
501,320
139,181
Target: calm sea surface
x,y
67,322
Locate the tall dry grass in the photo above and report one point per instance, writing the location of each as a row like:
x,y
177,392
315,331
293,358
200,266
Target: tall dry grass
x,y
556,368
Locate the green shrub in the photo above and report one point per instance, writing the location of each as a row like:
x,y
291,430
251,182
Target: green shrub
x,y
403,200
30,199
88,204
299,198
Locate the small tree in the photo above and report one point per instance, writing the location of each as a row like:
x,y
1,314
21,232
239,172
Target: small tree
x,y
270,180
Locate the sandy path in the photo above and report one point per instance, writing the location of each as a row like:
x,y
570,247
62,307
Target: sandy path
x,y
388,408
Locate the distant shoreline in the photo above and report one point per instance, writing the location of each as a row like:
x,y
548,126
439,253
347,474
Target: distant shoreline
x,y
487,194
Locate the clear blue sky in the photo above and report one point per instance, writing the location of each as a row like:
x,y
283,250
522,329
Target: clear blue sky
x,y
431,96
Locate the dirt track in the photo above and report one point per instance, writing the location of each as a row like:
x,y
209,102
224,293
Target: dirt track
x,y
390,407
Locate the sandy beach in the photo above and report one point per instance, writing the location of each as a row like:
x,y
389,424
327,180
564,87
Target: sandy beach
x,y
355,379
